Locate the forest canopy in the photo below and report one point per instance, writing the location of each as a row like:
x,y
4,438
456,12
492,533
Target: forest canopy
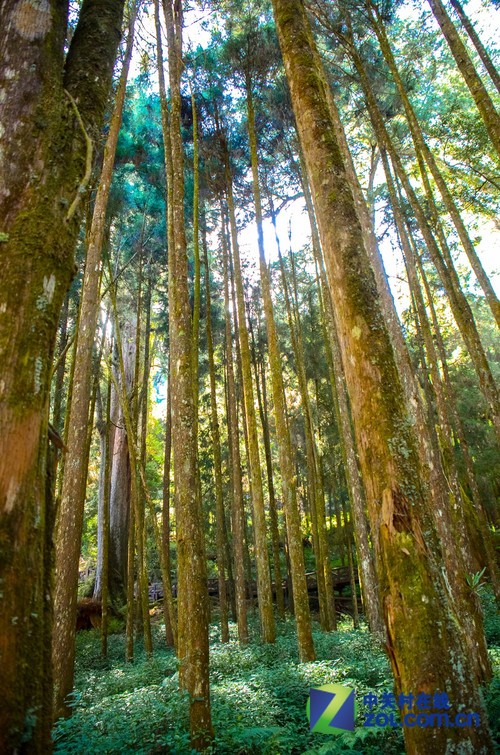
x,y
249,408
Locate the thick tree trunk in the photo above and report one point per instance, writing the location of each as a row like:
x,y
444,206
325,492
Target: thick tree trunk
x,y
434,654
449,422
44,165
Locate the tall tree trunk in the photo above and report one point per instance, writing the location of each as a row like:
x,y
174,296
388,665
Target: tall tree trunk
x,y
70,516
119,502
237,504
459,305
259,518
216,449
168,606
471,77
423,152
449,421
435,655
480,48
260,377
40,217
316,497
350,561
191,564
446,520
301,598
144,627
105,517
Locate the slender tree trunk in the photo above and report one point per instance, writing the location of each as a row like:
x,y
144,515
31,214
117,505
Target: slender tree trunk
x,y
237,505
216,449
423,151
61,368
316,497
259,518
400,507
301,598
119,503
350,561
459,304
273,509
259,375
191,564
70,518
466,67
480,48
140,389
105,517
169,609
168,606
131,607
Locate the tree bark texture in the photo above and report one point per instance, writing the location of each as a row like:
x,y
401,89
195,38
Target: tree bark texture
x,y
434,654
483,101
48,103
268,628
192,577
288,482
237,503
71,507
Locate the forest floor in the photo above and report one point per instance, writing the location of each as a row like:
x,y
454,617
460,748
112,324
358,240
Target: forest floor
x,y
258,694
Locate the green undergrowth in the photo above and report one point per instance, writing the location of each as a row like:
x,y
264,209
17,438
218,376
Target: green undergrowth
x,y
258,695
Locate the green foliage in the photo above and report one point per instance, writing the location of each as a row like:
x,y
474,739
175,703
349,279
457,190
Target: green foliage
x,y
475,582
258,693
491,618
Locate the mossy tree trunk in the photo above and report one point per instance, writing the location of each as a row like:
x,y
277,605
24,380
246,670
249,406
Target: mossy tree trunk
x,y
476,41
483,101
442,395
425,644
216,450
259,518
71,507
423,152
46,159
459,305
192,576
237,503
288,482
168,603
